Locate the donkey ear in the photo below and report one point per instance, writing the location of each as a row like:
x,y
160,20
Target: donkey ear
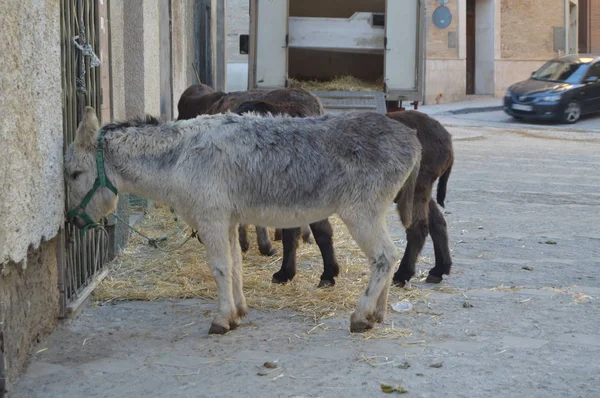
x,y
85,137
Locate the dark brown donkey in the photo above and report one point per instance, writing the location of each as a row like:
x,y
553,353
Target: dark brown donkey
x,y
437,158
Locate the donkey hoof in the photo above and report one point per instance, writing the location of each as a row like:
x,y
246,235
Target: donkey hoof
x,y
433,279
215,328
359,325
267,251
326,283
245,247
398,282
281,278
234,324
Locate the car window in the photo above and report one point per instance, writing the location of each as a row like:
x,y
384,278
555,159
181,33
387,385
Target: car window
x,y
560,71
594,71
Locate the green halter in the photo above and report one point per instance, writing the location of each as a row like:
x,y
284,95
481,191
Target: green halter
x,y
101,181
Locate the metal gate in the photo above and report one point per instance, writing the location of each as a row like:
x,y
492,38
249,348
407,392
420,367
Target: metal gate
x,y
81,260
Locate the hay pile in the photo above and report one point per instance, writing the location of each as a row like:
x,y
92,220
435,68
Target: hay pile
x,y
142,272
339,83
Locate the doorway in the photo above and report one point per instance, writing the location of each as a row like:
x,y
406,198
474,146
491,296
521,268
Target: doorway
x,y
480,47
470,47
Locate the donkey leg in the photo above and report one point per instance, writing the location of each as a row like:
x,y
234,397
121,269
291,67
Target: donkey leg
x,y
415,236
216,240
372,236
381,306
439,235
243,232
306,238
237,277
323,234
264,243
288,265
277,234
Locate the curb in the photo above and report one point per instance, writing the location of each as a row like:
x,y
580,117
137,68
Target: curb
x,y
482,109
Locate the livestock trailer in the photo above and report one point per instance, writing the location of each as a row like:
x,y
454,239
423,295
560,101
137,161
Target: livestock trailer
x,y
373,40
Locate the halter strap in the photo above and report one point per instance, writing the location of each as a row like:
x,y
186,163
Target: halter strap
x,y
101,182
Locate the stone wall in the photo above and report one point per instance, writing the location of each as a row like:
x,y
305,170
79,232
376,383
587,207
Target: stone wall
x,y
32,195
29,306
31,175
445,81
527,28
445,73
437,39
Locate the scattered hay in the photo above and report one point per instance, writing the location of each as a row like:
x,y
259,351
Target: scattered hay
x,y
385,333
338,83
142,272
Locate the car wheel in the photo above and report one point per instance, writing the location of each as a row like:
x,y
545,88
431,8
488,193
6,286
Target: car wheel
x,y
572,112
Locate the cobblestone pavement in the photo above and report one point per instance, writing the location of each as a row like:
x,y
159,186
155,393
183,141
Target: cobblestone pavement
x,y
519,316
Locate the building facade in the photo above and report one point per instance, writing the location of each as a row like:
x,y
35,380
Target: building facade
x,y
486,46
491,44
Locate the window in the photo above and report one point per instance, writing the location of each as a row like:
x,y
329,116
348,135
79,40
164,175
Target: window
x,y
594,71
562,72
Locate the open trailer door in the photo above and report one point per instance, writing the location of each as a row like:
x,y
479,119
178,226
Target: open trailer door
x,y
268,50
403,54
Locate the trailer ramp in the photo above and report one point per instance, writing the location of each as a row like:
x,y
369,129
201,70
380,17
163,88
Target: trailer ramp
x,y
336,102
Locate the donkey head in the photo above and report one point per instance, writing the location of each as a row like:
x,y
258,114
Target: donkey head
x,y
81,172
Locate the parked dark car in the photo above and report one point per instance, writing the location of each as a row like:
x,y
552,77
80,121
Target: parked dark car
x,y
563,89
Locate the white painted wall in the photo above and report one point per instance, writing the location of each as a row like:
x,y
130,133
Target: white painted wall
x,y
238,23
400,57
484,46
271,50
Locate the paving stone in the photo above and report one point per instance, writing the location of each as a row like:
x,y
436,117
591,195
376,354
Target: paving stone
x,y
589,290
442,296
183,361
538,292
112,365
460,346
522,342
38,369
486,293
577,338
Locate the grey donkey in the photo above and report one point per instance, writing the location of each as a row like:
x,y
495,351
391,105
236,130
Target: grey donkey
x,y
201,99
222,170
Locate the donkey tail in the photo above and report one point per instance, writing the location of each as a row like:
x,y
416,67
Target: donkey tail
x,y
441,188
404,199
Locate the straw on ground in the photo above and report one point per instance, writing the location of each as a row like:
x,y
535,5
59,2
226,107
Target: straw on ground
x,y
142,272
